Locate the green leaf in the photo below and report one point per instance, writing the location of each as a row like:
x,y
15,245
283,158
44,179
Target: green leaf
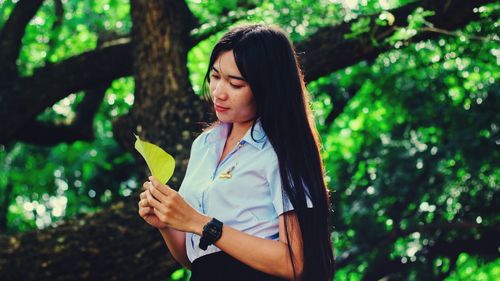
x,y
160,163
359,27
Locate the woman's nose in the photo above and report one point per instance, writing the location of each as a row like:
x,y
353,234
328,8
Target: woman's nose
x,y
219,91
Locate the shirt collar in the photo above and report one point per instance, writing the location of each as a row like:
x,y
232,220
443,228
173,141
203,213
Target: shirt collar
x,y
220,131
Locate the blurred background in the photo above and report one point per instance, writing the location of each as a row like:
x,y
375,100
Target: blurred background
x,y
405,96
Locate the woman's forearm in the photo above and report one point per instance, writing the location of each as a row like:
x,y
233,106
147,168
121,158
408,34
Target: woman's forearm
x,y
265,255
268,256
176,243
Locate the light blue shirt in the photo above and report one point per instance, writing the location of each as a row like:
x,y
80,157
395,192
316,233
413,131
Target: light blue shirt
x,y
250,200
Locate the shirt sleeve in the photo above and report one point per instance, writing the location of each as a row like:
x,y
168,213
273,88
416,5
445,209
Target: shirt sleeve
x,y
279,198
194,147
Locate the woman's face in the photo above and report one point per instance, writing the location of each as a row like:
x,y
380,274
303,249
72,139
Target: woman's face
x,y
231,94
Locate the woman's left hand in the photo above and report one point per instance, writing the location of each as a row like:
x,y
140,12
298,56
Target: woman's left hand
x,y
172,209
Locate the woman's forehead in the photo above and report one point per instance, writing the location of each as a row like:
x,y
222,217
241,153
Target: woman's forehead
x,y
226,65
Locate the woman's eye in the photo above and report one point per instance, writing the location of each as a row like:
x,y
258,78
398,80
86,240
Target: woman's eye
x,y
235,86
215,76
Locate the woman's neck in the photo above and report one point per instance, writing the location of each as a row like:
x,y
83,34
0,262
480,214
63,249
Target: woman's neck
x,y
238,130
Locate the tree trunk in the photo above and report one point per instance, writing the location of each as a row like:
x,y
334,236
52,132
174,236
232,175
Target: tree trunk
x,y
112,245
166,111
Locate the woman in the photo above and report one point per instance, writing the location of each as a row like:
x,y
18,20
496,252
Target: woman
x,y
253,204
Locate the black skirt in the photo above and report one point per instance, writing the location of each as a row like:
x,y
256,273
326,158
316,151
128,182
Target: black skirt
x,y
220,266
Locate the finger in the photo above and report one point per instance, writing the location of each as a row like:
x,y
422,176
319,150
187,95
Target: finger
x,y
157,194
150,187
145,185
145,211
154,203
165,189
144,203
141,204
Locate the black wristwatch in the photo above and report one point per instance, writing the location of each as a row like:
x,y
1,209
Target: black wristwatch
x,y
212,231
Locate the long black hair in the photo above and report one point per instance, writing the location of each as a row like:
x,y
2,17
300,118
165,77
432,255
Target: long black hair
x,y
268,62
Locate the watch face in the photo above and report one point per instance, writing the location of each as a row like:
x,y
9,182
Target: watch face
x,y
212,230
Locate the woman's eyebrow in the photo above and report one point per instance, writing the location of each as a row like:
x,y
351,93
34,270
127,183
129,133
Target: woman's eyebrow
x,y
230,76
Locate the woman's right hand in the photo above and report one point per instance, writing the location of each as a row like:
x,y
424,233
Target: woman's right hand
x,y
147,212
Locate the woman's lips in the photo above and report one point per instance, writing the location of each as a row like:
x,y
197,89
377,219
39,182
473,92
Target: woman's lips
x,y
220,108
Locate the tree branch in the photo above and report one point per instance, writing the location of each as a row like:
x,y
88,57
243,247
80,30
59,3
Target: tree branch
x,y
115,244
19,105
201,32
4,206
340,99
47,134
197,35
44,133
80,128
12,33
328,50
324,52
455,34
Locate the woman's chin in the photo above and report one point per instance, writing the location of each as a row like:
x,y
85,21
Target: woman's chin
x,y
224,118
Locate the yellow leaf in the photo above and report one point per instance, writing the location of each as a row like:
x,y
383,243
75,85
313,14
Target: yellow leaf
x,y
160,163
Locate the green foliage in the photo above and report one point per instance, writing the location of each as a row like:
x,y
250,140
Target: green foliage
x,y
473,269
181,274
415,22
83,23
358,28
418,144
69,179
6,7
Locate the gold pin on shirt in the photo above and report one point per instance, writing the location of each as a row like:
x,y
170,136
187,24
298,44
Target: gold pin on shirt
x,y
227,174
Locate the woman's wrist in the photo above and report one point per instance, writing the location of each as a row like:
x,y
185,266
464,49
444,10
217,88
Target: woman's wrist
x,y
164,229
198,223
